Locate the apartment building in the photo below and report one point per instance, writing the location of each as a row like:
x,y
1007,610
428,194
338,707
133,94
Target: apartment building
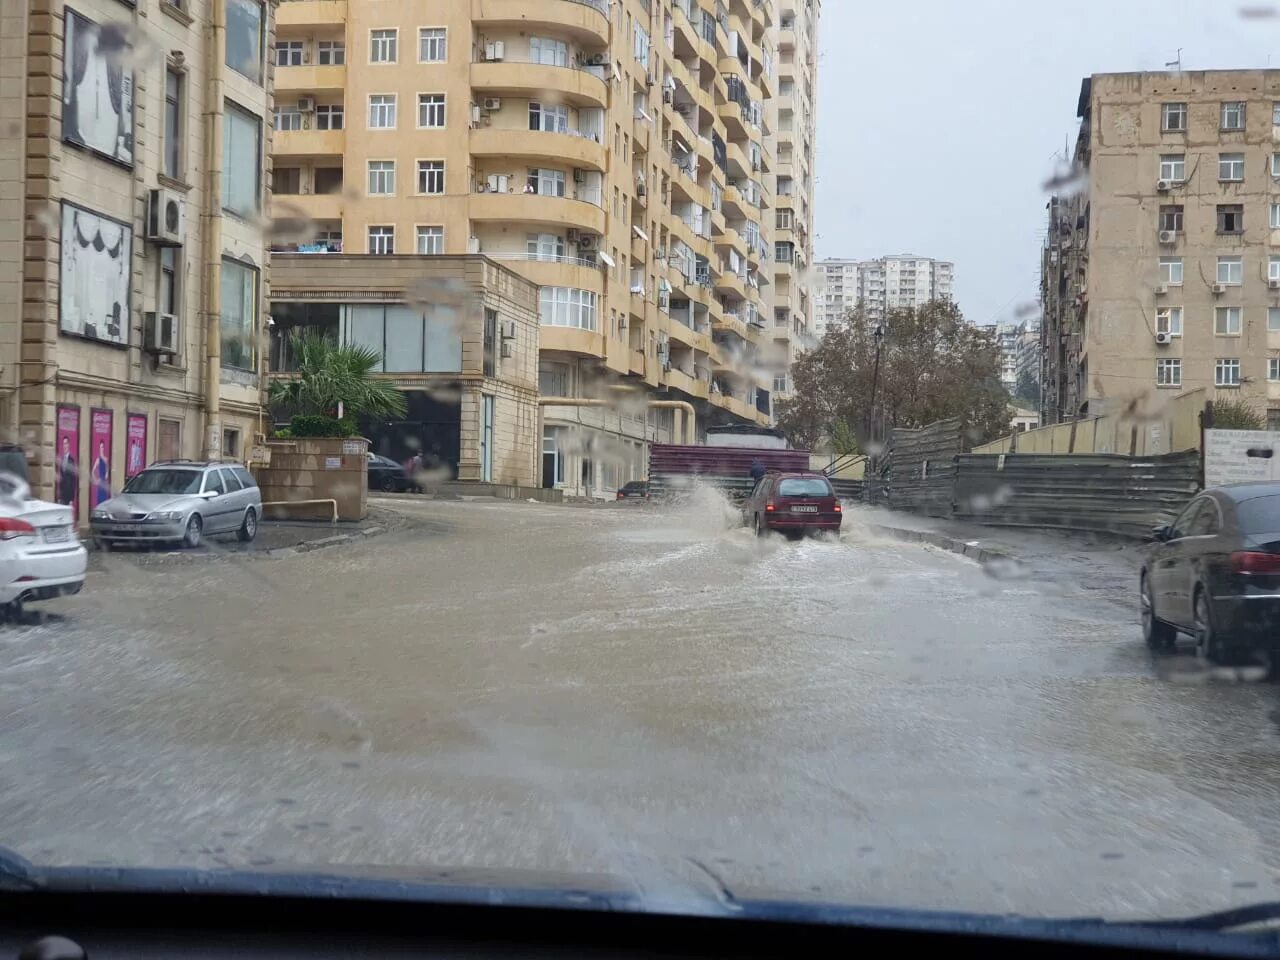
x,y
1164,273
612,153
879,285
792,117
133,260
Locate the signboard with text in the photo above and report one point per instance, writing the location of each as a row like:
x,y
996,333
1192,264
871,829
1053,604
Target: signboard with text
x,y
1241,456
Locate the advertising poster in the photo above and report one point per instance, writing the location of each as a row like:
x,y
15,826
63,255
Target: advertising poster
x,y
135,451
68,467
97,90
94,275
100,451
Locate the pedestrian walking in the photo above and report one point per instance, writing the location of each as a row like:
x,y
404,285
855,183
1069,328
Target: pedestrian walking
x,y
757,470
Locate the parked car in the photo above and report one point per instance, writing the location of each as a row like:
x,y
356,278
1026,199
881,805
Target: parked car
x,y
634,490
387,475
1214,573
180,501
793,503
41,556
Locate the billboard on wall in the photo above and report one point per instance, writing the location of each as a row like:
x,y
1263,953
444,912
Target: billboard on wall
x,y
68,465
94,275
97,89
135,451
1240,456
100,428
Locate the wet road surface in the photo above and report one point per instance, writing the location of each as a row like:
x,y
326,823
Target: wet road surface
x,y
644,693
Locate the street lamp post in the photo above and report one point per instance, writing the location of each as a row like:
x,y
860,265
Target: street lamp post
x,y
878,336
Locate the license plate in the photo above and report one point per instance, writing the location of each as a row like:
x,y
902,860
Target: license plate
x,y
129,527
804,508
56,534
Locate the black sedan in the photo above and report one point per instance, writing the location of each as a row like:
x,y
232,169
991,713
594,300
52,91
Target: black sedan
x,y
635,490
387,475
1214,573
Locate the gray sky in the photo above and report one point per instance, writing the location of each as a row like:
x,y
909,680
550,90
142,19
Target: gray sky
x,y
938,120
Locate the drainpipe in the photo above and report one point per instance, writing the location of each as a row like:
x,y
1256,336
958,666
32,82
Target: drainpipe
x,y
215,59
689,431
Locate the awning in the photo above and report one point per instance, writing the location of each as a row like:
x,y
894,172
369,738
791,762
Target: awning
x,y
640,233
608,260
645,115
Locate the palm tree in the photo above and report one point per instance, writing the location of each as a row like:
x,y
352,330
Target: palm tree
x,y
330,374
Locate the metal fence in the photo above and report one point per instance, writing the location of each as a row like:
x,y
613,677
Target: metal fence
x,y
922,475
673,468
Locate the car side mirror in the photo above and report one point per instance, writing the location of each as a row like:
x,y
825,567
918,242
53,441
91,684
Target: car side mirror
x,y
1160,533
207,494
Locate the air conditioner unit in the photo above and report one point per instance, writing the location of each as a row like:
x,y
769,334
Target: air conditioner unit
x,y
579,175
166,217
1273,284
1164,186
508,350
508,330
306,104
571,235
622,322
495,51
1163,337
160,333
493,103
473,245
1219,288
1168,236
589,242
668,96
475,115
1161,289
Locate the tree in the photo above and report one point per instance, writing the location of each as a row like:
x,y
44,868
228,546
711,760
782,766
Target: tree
x,y
1235,415
1027,390
330,374
933,365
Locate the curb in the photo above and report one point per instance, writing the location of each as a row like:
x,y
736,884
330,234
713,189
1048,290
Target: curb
x,y
968,548
275,552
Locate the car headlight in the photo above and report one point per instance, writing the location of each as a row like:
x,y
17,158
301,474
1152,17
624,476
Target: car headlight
x,y
165,515
99,515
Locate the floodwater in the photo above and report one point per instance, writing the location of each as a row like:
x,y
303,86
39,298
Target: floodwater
x,y
646,693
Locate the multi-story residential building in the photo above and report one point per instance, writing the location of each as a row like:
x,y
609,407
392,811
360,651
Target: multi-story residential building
x,y
133,256
792,123
612,153
880,285
1163,273
1009,341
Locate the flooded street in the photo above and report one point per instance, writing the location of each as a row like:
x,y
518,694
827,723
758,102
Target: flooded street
x,y
648,694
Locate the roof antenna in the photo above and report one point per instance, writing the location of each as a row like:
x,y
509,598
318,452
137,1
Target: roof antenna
x,y
1175,64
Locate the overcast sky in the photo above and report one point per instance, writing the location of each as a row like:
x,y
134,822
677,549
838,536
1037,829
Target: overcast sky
x,y
938,120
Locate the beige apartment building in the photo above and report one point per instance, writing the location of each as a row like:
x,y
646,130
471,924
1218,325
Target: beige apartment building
x,y
901,280
612,153
133,259
792,119
1163,273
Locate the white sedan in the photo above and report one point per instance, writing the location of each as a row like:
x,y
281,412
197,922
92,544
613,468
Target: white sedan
x,y
41,556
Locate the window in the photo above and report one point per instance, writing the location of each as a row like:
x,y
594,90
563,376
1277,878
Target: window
x,y
1274,216
431,240
783,218
1173,117
1273,319
168,297
1231,166
168,439
287,117
545,246
1233,115
329,116
288,53
382,111
239,315
1275,114
231,448
244,38
783,252
1273,268
431,110
1226,321
1230,270
1273,368
1173,166
241,161
1171,271
382,178
552,53
1226,372
328,179
551,118
331,53
382,240
491,342
1230,218
1275,165
567,307
432,47
1169,320
431,176
1171,217
287,180
548,183
641,46
382,46
1168,372
173,91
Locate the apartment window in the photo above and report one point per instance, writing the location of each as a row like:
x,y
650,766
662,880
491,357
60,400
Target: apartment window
x,y
431,240
1275,165
783,252
490,360
1171,217
1230,218
1231,270
641,47
431,110
1168,372
548,183
288,53
287,117
1231,166
331,53
382,111
382,46
567,307
1226,321
382,178
1273,319
1173,166
551,118
239,316
1273,368
1171,271
328,180
168,299
1173,117
173,91
331,239
1274,216
1273,269
785,186
382,240
1275,114
244,38
241,161
1226,372
545,246
552,53
1169,320
431,176
329,116
784,218
1233,115
432,46
287,180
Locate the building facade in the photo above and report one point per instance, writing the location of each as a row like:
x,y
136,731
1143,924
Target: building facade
x,y
879,285
792,119
614,154
1163,273
133,258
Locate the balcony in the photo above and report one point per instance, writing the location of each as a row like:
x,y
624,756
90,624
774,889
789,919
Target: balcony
x,y
316,206
679,380
787,38
730,323
586,21
312,78
566,271
579,87
311,13
585,343
308,143
538,145
537,208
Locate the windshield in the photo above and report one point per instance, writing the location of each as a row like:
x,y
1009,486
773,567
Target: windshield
x,y
1259,514
164,481
804,487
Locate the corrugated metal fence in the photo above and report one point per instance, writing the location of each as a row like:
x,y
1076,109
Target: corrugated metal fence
x,y
673,467
922,476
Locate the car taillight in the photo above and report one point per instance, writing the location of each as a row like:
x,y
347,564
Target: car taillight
x,y
1250,561
11,528
620,494
839,509
769,507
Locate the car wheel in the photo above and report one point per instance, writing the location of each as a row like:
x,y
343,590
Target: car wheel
x,y
12,611
758,527
248,527
389,484
1208,644
195,530
1158,634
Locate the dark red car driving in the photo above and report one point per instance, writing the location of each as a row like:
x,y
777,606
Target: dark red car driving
x,y
792,503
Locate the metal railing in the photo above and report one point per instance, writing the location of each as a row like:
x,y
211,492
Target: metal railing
x,y
542,258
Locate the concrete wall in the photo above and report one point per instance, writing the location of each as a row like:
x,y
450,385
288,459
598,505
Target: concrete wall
x,y
316,469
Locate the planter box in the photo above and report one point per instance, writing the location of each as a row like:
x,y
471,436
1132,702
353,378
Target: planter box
x,y
315,469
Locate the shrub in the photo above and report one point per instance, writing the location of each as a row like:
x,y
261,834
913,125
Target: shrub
x,y
318,425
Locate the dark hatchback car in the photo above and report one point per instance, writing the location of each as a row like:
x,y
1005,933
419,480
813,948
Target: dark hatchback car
x,y
387,475
792,503
1214,573
635,490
